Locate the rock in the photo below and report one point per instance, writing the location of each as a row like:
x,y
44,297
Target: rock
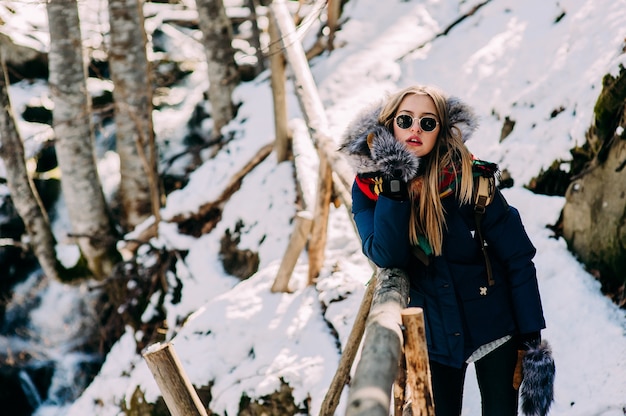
x,y
594,215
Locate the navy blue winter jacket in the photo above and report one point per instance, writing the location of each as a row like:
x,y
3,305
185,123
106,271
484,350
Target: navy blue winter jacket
x,y
461,311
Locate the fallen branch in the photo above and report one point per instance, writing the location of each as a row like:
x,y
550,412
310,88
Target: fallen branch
x,y
208,214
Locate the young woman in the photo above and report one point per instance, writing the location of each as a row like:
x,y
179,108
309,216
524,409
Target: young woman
x,y
413,207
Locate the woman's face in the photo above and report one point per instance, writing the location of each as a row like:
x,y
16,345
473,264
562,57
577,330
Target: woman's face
x,y
422,117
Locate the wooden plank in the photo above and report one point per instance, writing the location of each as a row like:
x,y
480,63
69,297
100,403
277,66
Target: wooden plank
x,y
179,394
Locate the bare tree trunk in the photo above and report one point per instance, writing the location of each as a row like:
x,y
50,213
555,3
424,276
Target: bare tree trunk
x,y
217,36
91,224
23,192
130,71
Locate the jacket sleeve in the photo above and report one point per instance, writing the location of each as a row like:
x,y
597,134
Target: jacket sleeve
x,y
508,241
383,226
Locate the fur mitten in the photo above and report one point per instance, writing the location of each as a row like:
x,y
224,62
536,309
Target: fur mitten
x,y
372,148
537,390
392,158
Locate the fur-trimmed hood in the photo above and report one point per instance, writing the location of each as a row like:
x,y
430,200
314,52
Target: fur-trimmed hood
x,y
371,147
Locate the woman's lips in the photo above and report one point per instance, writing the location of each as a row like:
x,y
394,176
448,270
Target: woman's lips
x,y
414,141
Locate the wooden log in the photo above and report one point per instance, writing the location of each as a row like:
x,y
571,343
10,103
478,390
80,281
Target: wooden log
x,y
345,195
419,392
399,387
179,394
315,117
306,91
129,247
342,375
306,170
277,81
370,392
301,230
332,164
319,231
312,108
334,10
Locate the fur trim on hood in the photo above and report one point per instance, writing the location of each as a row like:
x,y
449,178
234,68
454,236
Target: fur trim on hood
x,y
370,147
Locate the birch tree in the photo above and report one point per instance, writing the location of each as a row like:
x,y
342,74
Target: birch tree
x,y
217,36
130,72
23,193
91,223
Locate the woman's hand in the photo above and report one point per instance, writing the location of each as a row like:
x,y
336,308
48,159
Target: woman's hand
x,y
395,188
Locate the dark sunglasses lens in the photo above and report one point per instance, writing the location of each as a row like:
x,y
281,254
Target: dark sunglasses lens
x,y
404,121
428,124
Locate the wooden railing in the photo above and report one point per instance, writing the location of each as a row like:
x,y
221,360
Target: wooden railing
x,y
382,347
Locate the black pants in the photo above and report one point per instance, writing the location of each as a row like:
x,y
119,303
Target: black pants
x,y
495,381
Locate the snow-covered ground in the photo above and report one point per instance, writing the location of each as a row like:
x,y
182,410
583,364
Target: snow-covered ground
x,y
521,60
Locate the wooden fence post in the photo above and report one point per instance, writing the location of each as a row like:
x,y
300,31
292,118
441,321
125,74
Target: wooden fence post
x,y
370,392
297,241
319,230
418,392
179,394
277,81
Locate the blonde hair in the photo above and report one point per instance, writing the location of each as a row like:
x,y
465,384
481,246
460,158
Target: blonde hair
x,y
450,152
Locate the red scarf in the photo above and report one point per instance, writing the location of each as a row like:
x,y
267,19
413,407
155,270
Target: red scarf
x,y
372,186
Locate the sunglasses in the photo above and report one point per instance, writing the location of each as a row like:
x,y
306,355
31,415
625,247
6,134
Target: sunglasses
x,y
427,123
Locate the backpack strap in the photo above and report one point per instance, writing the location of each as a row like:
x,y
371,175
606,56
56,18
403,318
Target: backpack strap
x,y
484,191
